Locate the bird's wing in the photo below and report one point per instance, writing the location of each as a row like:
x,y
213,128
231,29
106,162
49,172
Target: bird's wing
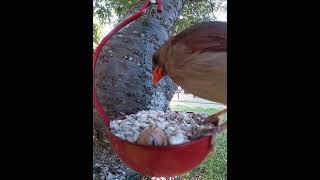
x,y
207,36
204,75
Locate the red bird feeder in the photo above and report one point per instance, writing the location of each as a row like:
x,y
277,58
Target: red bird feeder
x,y
160,161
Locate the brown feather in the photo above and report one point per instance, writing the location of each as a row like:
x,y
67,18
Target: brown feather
x,y
196,59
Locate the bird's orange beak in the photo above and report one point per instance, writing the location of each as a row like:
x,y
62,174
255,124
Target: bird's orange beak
x,y
157,75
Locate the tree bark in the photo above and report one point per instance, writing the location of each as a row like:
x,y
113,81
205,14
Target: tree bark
x,y
123,76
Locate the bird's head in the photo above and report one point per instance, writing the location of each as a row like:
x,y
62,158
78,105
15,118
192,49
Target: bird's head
x,y
158,68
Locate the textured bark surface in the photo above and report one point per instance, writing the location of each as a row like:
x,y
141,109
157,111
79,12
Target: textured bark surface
x,y
124,76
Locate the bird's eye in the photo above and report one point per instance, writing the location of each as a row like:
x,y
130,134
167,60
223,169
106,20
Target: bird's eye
x,y
154,61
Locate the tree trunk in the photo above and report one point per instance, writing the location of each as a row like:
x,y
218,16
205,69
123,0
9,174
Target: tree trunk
x,y
124,76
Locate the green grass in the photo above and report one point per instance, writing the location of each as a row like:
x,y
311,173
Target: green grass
x,y
215,166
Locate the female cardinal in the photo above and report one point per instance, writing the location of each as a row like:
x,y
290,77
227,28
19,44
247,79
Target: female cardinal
x,y
196,60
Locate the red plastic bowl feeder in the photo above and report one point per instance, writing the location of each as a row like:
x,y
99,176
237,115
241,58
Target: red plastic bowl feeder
x,y
160,161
